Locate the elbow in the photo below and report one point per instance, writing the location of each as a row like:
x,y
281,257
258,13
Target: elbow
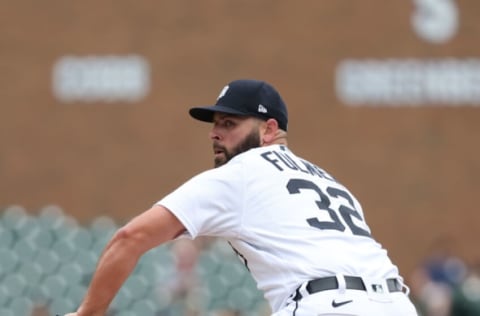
x,y
129,241
122,234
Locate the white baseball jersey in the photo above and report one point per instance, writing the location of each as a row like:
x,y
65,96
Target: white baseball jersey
x,y
287,219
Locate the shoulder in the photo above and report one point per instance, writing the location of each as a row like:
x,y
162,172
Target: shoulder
x,y
228,173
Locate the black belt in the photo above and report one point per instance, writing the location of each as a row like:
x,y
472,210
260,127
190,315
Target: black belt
x,y
351,283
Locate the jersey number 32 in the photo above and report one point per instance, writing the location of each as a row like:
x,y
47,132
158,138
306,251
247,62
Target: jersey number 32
x,y
294,186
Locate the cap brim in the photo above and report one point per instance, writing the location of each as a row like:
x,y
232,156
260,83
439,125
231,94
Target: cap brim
x,y
205,113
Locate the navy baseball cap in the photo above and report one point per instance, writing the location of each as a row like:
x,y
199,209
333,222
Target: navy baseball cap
x,y
246,97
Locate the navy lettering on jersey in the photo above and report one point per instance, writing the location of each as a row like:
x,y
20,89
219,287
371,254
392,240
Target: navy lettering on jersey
x,y
315,170
282,160
289,161
268,157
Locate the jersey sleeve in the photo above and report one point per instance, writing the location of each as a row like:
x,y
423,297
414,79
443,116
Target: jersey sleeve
x,y
211,203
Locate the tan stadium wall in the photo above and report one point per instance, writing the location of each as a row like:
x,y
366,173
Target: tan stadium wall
x,y
415,168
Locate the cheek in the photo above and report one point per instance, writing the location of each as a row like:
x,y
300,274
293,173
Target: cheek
x,y
232,137
231,140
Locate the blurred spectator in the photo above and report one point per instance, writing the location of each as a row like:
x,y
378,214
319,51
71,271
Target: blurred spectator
x,y
185,283
185,259
435,279
466,297
443,266
431,298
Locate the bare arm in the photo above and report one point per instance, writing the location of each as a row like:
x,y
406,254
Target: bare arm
x,y
119,258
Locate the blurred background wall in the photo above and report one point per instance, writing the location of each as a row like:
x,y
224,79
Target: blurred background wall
x,y
384,95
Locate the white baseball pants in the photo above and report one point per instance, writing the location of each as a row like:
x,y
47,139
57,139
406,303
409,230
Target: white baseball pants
x,y
344,302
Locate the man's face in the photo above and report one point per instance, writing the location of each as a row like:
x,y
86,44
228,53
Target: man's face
x,y
233,135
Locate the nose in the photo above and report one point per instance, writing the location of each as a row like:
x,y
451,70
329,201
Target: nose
x,y
213,134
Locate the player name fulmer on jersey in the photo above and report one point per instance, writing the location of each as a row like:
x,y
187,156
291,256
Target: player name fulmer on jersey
x,y
282,160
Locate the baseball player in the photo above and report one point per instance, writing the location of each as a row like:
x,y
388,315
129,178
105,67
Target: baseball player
x,y
301,233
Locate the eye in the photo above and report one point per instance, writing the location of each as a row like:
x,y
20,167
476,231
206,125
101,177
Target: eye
x,y
228,123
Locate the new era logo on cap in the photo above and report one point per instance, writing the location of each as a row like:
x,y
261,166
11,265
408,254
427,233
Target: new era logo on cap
x,y
262,109
246,97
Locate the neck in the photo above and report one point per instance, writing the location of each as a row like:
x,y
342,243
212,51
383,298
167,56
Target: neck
x,y
279,139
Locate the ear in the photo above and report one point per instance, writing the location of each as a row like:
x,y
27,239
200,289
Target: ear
x,y
269,131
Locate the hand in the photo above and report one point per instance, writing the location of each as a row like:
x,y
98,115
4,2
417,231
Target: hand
x,y
71,314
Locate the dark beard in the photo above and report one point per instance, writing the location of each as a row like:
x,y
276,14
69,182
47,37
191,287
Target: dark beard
x,y
251,141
